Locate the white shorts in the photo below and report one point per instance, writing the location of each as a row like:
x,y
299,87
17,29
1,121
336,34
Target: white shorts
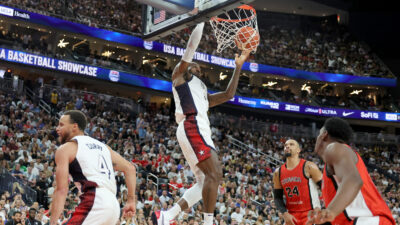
x,y
367,220
373,220
195,141
98,206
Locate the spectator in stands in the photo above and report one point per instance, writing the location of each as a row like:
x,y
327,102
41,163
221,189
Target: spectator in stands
x,y
16,172
54,99
32,218
16,219
257,168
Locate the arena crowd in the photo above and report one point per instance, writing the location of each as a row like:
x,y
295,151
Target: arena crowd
x,y
28,140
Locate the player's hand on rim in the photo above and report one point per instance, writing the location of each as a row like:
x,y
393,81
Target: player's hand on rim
x,y
239,60
289,218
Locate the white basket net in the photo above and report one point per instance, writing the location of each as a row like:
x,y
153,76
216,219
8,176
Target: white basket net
x,y
227,25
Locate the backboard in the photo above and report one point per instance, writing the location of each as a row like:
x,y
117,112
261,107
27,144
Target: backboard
x,y
164,17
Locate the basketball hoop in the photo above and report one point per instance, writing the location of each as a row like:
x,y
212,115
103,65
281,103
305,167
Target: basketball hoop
x,y
227,27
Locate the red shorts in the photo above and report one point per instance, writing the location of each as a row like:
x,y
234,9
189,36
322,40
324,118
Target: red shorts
x,y
301,217
194,140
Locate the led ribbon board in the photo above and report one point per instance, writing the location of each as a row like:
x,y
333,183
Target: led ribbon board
x,y
163,48
162,85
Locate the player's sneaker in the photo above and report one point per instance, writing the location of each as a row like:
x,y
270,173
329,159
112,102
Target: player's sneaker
x,y
163,220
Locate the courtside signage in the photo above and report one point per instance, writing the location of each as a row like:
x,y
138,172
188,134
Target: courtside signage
x,y
177,51
166,86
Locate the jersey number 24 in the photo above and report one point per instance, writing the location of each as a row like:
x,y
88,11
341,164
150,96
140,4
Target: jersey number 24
x,y
291,192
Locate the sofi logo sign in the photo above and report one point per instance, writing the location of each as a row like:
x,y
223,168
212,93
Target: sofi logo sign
x,y
369,115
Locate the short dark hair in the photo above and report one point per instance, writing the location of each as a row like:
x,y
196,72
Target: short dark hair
x,y
339,129
16,212
32,209
78,117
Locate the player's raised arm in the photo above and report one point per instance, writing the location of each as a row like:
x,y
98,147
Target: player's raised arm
x,y
129,170
224,96
194,40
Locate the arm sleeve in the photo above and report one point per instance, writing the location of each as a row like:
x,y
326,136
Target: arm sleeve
x,y
193,42
278,198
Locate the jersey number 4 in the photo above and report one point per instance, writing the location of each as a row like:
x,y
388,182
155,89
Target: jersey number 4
x,y
291,192
103,167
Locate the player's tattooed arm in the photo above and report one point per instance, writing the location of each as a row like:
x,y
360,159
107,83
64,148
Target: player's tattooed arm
x,y
276,179
314,173
278,192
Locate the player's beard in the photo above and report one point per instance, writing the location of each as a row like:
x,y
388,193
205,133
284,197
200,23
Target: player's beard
x,y
288,154
64,138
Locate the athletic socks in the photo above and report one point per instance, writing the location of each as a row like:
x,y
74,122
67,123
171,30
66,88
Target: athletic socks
x,y
208,218
173,212
176,209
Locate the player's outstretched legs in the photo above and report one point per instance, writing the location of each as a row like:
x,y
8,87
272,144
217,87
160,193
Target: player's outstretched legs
x,y
189,198
212,170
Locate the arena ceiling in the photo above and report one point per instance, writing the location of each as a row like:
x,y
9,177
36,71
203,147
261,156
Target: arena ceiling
x,y
301,7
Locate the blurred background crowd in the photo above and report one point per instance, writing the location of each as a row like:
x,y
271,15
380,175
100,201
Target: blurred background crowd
x,y
28,141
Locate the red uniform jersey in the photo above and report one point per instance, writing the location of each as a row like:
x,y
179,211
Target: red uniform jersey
x,y
300,191
367,208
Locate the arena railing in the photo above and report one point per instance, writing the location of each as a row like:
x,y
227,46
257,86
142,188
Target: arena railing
x,y
153,179
245,147
113,102
10,85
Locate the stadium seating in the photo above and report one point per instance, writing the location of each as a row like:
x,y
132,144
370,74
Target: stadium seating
x,y
249,189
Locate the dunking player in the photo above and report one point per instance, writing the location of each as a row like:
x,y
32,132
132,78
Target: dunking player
x,y
194,133
298,179
348,191
90,163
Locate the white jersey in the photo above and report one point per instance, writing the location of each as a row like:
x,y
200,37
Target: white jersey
x,y
92,166
191,98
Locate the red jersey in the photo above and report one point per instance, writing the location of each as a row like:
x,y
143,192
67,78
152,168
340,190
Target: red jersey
x,y
300,191
367,204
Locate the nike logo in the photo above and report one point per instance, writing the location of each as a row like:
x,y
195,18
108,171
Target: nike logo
x,y
347,113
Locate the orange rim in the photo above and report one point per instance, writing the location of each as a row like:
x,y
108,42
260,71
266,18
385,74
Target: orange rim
x,y
245,7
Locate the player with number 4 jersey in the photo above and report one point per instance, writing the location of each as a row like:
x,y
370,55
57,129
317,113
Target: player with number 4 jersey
x,y
91,164
297,179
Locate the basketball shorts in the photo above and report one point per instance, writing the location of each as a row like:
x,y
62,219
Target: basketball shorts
x,y
373,220
301,217
98,206
194,138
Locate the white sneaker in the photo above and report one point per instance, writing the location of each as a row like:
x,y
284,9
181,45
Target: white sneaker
x,y
162,220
